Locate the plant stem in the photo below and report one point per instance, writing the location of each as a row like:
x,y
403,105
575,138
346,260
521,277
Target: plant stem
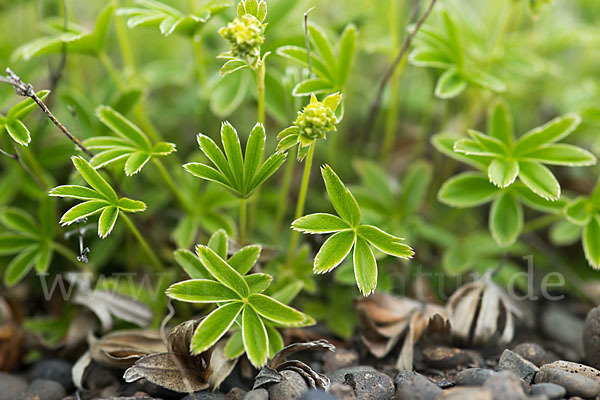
x,y
243,221
112,71
284,190
166,176
260,86
301,201
145,246
540,222
71,256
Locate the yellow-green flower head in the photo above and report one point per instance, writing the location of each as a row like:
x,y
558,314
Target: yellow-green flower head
x,y
316,120
245,36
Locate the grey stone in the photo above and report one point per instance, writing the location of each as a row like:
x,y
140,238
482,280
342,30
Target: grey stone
x,y
563,326
291,387
523,368
473,376
444,357
505,385
413,386
342,392
236,394
466,393
54,370
11,386
43,389
577,379
550,390
591,337
340,375
370,385
533,352
341,358
205,395
257,394
314,394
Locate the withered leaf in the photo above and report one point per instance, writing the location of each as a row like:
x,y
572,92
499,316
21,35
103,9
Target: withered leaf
x,y
12,337
121,349
319,345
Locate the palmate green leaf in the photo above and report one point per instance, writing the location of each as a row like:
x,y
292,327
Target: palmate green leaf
x,y
310,86
365,267
233,151
375,179
344,203
214,154
255,337
275,340
506,219
532,200
201,291
258,283
107,221
561,154
84,210
346,52
131,206
450,84
503,172
253,153
136,162
208,173
123,127
429,57
564,233
111,156
245,258
299,56
319,223
18,131
539,179
321,43
468,189
275,311
487,81
269,167
18,220
163,149
551,132
20,265
235,345
214,326
489,143
43,258
232,66
384,241
414,187
579,211
191,264
107,143
218,243
222,271
446,142
590,240
11,243
470,148
334,251
93,178
74,192
25,107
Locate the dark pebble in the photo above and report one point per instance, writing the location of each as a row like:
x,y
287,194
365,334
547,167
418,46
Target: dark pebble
x,y
506,385
11,386
314,394
370,385
155,390
444,357
205,395
43,389
466,393
524,369
236,394
341,358
291,387
257,394
533,352
550,390
413,386
473,376
577,379
340,375
54,370
591,337
342,392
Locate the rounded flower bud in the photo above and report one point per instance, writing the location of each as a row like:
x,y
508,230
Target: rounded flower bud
x,y
245,36
315,120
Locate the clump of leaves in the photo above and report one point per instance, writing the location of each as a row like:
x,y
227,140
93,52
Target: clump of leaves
x,y
12,122
330,65
313,122
584,212
349,234
504,158
77,39
131,144
245,35
444,48
100,198
170,20
31,240
217,278
241,173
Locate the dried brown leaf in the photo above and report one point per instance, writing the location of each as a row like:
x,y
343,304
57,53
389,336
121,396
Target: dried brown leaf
x,y
122,349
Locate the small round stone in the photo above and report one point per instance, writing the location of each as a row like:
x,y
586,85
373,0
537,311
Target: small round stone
x,y
314,394
341,358
506,385
523,368
550,390
42,389
413,386
444,357
370,385
11,386
577,379
54,370
591,337
257,394
291,387
473,376
532,352
466,393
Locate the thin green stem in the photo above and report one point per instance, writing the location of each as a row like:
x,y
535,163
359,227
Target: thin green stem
x,y
166,176
199,60
145,246
243,221
284,190
301,201
541,222
124,43
112,71
260,86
